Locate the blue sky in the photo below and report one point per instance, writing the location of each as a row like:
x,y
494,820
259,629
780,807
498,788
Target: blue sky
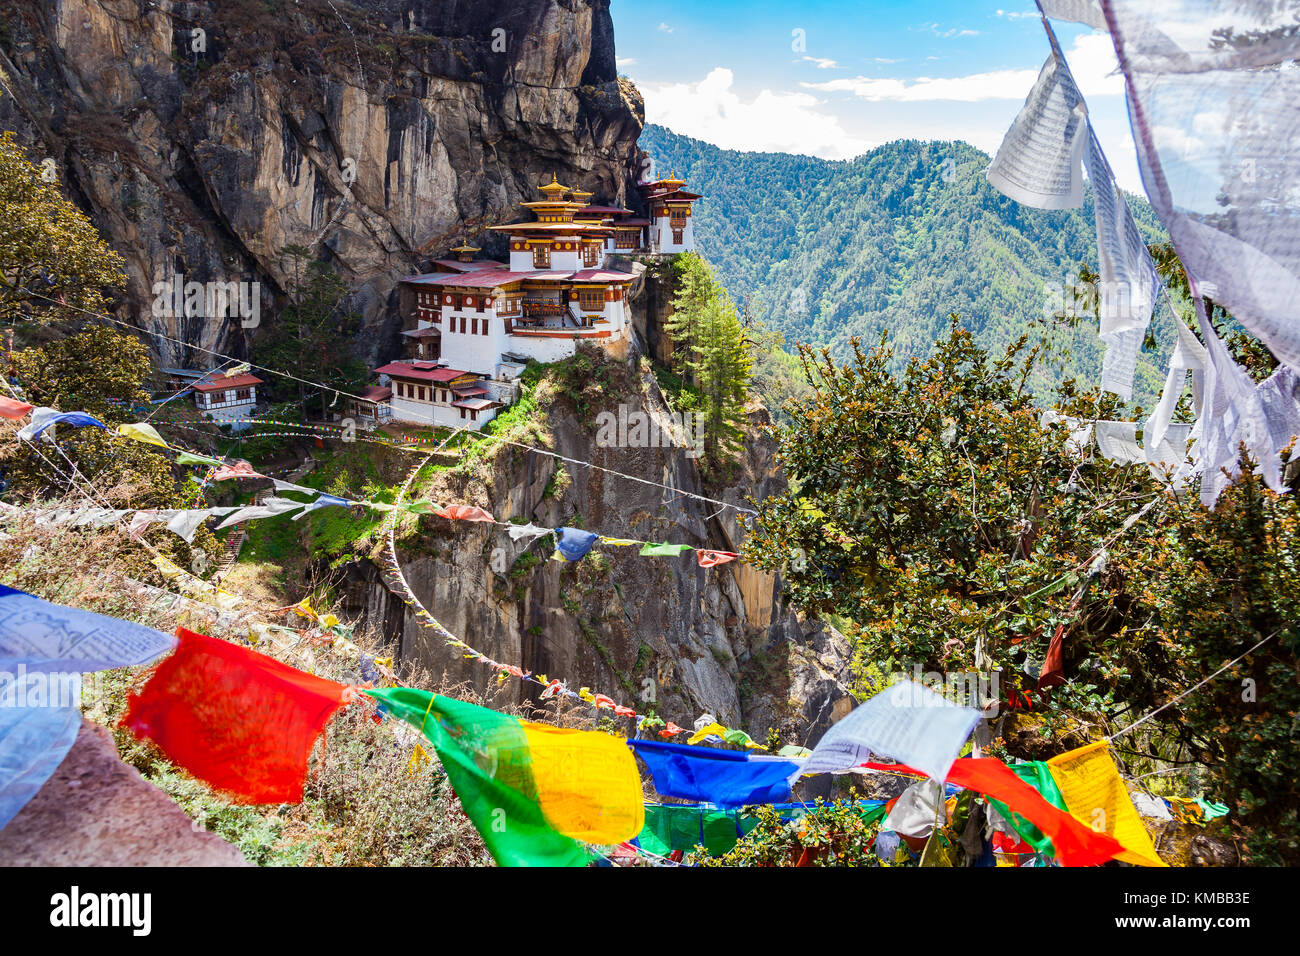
x,y
835,79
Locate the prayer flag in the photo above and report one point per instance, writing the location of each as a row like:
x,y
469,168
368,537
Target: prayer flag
x,y
1090,783
240,721
664,550
240,469
52,638
573,543
188,458
142,431
908,722
464,513
726,778
44,418
532,790
12,408
33,742
708,559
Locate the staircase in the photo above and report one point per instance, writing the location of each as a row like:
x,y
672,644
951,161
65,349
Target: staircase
x,y
235,542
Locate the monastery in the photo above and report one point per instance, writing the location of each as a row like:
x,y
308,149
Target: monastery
x,y
475,323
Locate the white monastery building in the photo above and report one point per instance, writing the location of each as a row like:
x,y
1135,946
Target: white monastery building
x,y
477,322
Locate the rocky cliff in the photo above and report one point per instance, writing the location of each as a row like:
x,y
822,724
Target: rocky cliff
x,y
664,631
203,137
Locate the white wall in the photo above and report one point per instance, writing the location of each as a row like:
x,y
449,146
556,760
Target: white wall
x,y
479,353
430,413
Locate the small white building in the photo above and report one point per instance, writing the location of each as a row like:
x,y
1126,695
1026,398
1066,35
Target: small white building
x,y
427,393
224,398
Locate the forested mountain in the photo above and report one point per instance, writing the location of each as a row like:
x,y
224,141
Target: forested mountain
x,y
898,238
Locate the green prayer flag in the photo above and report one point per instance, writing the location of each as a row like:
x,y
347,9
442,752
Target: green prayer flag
x,y
185,458
1038,775
664,550
486,756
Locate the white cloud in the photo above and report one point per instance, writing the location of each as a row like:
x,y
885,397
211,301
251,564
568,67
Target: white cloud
x,y
1091,59
822,62
665,27
626,60
1013,15
885,59
773,121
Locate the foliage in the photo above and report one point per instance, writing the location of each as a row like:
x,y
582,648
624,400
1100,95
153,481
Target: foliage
x,y
951,531
710,343
828,834
53,264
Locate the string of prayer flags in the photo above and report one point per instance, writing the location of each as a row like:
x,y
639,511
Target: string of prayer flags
x,y
531,790
573,544
13,409
33,742
464,513
708,559
52,638
239,469
726,778
908,722
240,721
142,431
44,418
618,542
664,550
1090,783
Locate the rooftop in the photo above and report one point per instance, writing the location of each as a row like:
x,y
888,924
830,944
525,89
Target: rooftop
x,y
421,371
216,382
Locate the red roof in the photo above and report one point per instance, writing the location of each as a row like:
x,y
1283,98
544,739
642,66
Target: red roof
x,y
226,381
604,210
426,333
420,371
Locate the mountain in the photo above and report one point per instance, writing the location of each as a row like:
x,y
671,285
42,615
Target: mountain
x,y
896,239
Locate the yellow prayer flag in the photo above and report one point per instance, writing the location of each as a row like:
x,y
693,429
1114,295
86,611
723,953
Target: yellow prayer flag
x,y
141,431
617,541
710,730
587,783
1090,783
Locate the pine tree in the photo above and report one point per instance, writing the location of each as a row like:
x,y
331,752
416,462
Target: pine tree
x,y
710,341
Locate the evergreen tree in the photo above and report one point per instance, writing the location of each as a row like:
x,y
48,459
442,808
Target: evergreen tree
x,y
712,346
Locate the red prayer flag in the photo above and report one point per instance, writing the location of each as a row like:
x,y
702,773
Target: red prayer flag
x,y
240,721
240,469
1073,843
1053,672
464,513
708,559
12,408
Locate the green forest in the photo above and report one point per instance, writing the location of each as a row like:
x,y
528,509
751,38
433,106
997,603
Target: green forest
x,y
895,241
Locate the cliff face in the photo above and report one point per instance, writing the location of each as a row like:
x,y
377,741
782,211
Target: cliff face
x,y
203,137
690,639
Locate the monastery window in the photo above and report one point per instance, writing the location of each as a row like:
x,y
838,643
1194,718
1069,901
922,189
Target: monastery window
x,y
244,395
541,257
421,396
593,300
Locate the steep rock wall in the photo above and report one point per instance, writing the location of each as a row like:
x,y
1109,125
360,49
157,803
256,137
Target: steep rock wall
x,y
374,133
